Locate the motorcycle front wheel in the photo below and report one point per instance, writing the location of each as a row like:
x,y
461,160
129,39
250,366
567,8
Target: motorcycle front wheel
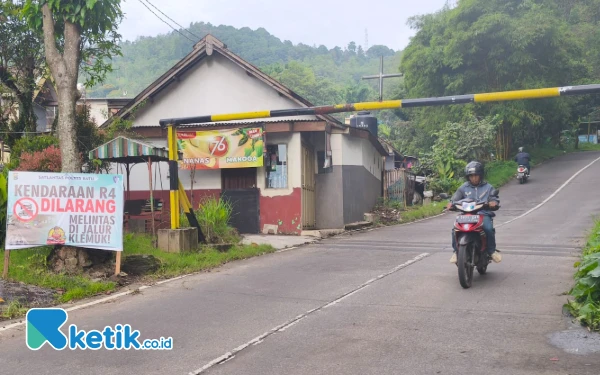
x,y
483,263
465,270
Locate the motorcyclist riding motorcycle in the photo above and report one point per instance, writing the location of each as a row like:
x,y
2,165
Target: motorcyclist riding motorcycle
x,y
524,159
478,189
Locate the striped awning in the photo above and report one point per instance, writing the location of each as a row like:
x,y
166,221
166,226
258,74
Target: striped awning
x,y
126,150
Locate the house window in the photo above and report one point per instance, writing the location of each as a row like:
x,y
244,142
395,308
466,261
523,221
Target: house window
x,y
276,167
321,163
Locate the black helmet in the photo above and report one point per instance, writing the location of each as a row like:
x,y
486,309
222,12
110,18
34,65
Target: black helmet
x,y
474,167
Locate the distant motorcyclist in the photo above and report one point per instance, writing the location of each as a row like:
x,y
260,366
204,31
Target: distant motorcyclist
x,y
479,190
524,159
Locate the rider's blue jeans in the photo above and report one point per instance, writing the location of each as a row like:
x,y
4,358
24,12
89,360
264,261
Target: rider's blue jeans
x,y
490,232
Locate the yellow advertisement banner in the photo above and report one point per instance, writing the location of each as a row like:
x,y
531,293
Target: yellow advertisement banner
x,y
217,149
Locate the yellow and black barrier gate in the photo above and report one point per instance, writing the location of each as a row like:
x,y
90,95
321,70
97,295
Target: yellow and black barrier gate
x,y
502,96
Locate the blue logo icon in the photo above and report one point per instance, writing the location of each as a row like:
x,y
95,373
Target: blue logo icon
x,y
43,325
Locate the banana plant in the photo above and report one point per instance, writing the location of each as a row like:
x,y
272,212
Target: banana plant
x,y
444,170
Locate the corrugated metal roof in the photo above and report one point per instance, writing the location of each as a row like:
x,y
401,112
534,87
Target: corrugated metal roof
x,y
244,122
251,122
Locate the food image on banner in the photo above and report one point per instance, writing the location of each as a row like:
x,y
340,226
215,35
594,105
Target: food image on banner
x,y
74,209
216,149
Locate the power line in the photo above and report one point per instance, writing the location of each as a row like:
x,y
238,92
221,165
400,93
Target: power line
x,y
157,16
191,33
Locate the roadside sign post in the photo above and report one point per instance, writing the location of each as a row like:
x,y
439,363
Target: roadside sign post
x,y
6,261
64,209
118,263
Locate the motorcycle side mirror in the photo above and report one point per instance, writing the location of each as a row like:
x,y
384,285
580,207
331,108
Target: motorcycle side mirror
x,y
444,196
495,192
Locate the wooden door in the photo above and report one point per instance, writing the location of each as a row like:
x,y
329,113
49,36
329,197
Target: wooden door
x,y
238,187
308,188
238,178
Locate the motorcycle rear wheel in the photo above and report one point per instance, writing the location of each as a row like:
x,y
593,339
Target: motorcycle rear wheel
x,y
465,271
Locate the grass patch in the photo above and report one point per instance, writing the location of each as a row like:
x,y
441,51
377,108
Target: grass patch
x,y
29,266
14,309
499,173
422,212
588,147
586,305
541,154
177,264
214,216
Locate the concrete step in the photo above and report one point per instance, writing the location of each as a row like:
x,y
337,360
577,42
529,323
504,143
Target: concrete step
x,y
358,225
322,233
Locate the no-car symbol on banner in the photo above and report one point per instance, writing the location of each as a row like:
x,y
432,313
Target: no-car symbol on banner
x,y
26,209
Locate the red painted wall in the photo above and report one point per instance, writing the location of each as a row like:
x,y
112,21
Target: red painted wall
x,y
164,218
284,211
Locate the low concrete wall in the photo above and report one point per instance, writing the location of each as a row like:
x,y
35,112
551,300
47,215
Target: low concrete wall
x,y
361,191
330,199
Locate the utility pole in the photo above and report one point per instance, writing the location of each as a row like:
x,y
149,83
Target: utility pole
x,y
381,76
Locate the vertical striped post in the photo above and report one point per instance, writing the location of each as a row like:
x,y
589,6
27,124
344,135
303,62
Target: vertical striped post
x,y
173,177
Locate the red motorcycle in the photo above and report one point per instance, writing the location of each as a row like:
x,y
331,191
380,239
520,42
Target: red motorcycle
x,y
470,238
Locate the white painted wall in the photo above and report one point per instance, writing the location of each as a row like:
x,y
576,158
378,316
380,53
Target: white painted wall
x,y
348,150
372,159
214,86
389,163
98,110
352,150
294,159
337,141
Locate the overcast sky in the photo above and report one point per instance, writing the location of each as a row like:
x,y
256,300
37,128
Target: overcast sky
x,y
328,22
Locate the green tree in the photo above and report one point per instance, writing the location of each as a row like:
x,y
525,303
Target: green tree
x,y
21,64
495,45
302,79
378,50
88,136
30,144
76,32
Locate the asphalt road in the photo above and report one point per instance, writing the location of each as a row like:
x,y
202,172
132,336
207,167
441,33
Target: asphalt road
x,y
376,302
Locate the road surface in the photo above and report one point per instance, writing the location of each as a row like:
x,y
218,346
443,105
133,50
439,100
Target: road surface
x,y
386,301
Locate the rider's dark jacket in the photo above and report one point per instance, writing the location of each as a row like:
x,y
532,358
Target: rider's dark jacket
x,y
479,193
522,158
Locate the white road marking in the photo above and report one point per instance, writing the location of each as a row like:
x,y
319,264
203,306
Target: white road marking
x,y
281,328
552,195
